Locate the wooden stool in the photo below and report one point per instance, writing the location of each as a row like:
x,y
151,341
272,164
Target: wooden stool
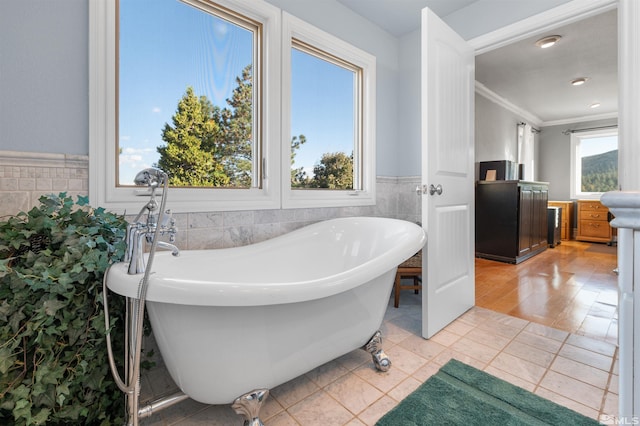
x,y
410,268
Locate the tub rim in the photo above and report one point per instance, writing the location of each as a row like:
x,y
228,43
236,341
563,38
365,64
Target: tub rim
x,y
172,289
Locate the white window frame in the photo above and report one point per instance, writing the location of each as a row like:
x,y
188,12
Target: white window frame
x,y
364,155
576,165
275,190
102,118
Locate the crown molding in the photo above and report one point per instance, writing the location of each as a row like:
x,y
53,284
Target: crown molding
x,y
582,119
533,119
484,91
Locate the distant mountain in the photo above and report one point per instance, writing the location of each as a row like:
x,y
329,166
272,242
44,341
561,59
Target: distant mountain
x,y
600,172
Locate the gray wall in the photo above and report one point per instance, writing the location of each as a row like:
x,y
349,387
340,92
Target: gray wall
x,y
496,134
409,139
44,76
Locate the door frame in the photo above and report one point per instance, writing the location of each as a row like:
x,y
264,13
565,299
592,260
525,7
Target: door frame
x,y
565,14
628,101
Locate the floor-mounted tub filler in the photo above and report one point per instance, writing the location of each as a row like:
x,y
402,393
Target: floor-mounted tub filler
x,y
232,323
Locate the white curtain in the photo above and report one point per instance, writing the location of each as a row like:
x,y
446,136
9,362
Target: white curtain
x,y
526,150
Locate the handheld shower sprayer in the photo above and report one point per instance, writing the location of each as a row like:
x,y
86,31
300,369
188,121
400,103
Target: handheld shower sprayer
x,y
152,177
139,235
158,221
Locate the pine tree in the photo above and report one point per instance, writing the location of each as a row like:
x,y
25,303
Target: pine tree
x,y
183,156
234,149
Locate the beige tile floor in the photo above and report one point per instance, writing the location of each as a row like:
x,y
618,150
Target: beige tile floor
x,y
573,370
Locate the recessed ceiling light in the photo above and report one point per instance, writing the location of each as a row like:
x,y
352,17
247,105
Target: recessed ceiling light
x,y
548,41
594,105
579,81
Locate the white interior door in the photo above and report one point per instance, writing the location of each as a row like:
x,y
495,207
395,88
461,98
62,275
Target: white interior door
x,y
447,174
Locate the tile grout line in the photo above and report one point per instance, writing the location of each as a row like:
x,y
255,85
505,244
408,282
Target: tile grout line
x,y
607,391
556,354
609,374
546,371
502,350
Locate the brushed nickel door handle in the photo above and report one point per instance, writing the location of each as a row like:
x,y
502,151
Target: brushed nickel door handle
x,y
435,189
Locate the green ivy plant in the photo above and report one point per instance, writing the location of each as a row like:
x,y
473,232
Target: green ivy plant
x,y
53,358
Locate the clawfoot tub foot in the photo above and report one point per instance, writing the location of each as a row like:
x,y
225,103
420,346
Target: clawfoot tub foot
x,y
374,347
248,406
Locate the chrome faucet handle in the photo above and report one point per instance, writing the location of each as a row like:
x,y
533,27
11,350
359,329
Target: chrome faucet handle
x,y
168,225
167,218
172,230
140,231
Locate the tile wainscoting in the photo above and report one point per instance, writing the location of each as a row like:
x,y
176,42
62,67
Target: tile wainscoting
x,y
25,176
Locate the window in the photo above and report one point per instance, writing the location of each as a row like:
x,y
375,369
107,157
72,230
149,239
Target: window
x,y
187,99
177,57
328,119
526,151
168,81
594,163
323,91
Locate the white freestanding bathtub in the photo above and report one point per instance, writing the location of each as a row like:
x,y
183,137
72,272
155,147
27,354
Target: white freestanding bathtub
x,y
229,321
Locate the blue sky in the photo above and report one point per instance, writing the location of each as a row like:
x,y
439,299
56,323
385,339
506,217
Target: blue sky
x,y
598,145
166,46
328,126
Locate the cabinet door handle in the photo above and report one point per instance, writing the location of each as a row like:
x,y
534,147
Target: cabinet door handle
x,y
435,189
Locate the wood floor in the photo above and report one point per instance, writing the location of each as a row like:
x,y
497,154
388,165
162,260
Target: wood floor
x,y
571,287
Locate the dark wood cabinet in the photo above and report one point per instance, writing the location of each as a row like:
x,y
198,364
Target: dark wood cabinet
x,y
511,219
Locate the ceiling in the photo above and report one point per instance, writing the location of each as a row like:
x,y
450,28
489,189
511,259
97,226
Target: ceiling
x,y
399,17
534,81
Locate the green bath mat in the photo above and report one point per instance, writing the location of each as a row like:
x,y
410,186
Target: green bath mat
x,y
459,394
